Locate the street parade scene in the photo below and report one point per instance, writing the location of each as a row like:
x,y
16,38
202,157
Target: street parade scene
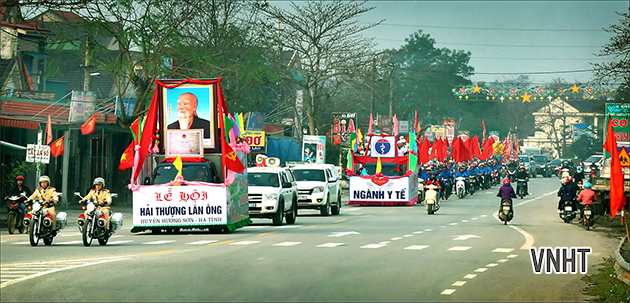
x,y
316,151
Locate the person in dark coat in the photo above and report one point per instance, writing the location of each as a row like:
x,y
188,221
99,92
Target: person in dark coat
x,y
18,189
566,193
506,192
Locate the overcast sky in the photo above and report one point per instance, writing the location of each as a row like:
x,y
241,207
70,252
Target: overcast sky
x,y
520,37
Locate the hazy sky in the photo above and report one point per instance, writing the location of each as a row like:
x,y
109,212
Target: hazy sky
x,y
520,37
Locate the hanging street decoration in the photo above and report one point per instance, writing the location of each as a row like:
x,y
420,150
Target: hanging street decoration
x,y
534,93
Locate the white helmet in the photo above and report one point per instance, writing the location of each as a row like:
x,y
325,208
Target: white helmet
x,y
99,181
44,179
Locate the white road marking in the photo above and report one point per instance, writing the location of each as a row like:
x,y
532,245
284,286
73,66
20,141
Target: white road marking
x,y
396,238
343,233
492,265
330,244
503,250
529,240
418,232
459,248
373,246
407,236
119,242
474,219
482,269
464,237
384,242
459,283
287,244
428,229
534,199
116,236
351,209
512,256
245,243
417,247
21,243
502,260
289,226
159,242
483,216
453,224
470,276
464,221
448,291
70,242
202,242
443,226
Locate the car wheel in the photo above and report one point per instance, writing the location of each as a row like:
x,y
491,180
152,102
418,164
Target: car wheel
x,y
278,216
335,210
324,210
291,216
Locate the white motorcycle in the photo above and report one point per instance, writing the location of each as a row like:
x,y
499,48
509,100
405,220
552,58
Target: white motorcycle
x,y
431,199
94,225
40,223
460,187
420,189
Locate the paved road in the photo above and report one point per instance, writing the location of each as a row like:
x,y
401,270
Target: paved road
x,y
462,253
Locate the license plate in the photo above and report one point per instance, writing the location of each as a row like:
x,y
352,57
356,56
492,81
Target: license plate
x,y
587,212
568,208
303,197
252,204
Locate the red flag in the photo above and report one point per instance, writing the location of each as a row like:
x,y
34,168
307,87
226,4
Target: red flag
x,y
423,154
49,135
135,130
459,150
617,195
56,148
126,159
395,127
371,124
148,133
444,150
437,145
474,149
88,127
415,123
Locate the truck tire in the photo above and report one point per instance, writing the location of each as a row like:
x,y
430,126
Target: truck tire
x,y
276,219
292,215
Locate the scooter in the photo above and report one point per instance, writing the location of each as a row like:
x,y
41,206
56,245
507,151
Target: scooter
x,y
511,174
520,188
15,215
420,189
431,200
567,213
506,213
472,183
564,173
39,222
587,218
460,187
94,224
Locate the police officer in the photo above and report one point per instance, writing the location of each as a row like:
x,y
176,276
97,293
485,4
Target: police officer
x,y
48,194
102,196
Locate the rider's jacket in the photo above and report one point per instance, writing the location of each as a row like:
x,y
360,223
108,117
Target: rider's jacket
x,y
566,192
462,174
446,174
522,175
471,172
100,196
16,191
433,181
424,175
48,194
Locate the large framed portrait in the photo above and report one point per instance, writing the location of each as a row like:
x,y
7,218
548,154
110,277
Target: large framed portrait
x,y
191,106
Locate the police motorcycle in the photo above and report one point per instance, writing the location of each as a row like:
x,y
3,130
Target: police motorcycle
x,y
94,225
14,217
520,188
40,223
506,213
460,187
431,199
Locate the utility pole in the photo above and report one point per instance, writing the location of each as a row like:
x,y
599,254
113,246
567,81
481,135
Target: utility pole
x,y
86,75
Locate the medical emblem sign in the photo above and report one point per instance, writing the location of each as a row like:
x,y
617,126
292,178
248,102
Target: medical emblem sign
x,y
383,146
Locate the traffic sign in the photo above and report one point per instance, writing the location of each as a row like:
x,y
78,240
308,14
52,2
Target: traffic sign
x,y
624,158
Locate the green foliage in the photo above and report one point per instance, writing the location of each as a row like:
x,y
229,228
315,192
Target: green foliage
x,y
13,170
581,148
604,285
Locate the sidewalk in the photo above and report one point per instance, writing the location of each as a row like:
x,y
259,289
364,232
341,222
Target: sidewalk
x,y
74,210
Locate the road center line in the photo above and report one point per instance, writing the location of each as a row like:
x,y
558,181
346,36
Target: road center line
x,y
340,220
305,227
366,216
534,199
224,242
159,252
529,240
264,234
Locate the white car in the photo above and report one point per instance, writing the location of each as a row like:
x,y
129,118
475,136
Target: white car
x,y
272,194
592,159
319,187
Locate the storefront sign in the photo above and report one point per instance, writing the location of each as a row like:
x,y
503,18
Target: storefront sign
x,y
179,205
379,189
343,125
81,106
255,140
314,149
38,153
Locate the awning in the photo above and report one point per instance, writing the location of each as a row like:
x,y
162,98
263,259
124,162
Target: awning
x,y
19,124
37,55
11,145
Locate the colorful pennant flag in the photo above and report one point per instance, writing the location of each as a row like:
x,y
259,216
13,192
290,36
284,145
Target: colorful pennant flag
x,y
378,166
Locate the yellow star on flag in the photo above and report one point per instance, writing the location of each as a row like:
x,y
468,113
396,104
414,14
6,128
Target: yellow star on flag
x,y
575,88
58,143
123,157
526,97
477,89
91,122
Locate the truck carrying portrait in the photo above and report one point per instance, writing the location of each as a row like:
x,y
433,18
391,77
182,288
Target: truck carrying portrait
x,y
190,106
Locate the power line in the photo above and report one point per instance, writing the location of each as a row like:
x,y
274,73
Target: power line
x,y
499,45
490,28
539,59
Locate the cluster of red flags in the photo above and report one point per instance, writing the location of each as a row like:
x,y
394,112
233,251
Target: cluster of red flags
x,y
56,148
460,150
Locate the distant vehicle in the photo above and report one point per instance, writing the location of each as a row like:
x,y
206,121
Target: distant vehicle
x,y
272,194
555,165
542,167
530,165
592,159
531,151
319,187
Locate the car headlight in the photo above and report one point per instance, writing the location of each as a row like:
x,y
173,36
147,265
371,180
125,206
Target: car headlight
x,y
90,207
318,189
271,196
36,206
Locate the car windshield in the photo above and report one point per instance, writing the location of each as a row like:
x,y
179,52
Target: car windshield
x,y
167,173
594,158
540,159
309,175
263,179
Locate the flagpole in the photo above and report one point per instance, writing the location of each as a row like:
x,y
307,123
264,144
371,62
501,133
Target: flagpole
x,y
64,170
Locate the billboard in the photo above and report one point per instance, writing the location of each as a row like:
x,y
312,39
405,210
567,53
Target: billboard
x,y
81,106
255,140
620,119
343,125
314,149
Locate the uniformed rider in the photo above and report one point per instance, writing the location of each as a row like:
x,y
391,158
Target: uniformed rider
x,y
102,197
48,194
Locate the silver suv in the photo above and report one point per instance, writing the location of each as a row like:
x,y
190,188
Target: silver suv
x,y
272,193
319,187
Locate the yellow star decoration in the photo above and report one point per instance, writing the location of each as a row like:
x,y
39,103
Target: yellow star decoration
x,y
487,98
478,89
58,143
575,88
91,122
124,157
466,97
526,98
